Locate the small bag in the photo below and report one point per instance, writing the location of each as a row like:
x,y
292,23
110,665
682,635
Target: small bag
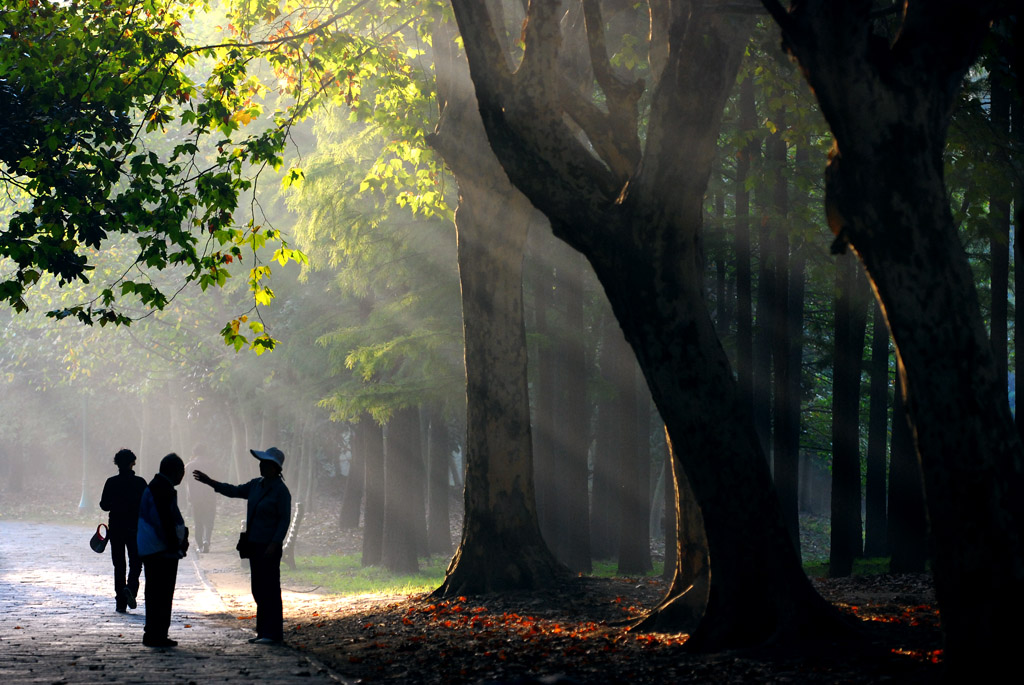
x,y
98,542
243,545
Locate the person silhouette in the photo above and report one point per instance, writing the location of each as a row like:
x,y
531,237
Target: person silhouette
x,y
268,514
162,540
121,496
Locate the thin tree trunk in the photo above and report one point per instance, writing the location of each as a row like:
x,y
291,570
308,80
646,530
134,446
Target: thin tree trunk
x,y
634,543
352,503
439,534
401,451
373,516
846,543
744,308
908,525
875,541
605,511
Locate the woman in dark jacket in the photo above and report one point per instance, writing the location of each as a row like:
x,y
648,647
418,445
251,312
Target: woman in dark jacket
x,y
268,513
121,496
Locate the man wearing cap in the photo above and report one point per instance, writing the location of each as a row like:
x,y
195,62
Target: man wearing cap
x,y
267,516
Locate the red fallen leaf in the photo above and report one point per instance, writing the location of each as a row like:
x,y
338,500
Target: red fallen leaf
x,y
246,618
462,599
407,621
188,625
367,626
429,609
355,659
316,613
17,627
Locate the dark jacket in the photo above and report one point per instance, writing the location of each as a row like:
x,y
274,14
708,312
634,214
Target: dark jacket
x,y
121,496
161,526
268,511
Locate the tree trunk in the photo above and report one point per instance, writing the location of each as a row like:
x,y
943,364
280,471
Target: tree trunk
x,y
999,240
744,307
544,388
634,542
669,522
850,313
352,503
889,105
605,511
501,546
439,533
875,542
373,516
572,539
908,525
401,452
646,254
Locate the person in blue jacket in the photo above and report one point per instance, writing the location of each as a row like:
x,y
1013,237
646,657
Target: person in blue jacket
x,y
162,541
121,496
268,513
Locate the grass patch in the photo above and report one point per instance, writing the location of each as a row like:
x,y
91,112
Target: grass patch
x,y
610,569
861,567
344,575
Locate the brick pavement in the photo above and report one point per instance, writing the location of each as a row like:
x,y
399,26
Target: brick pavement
x,y
58,624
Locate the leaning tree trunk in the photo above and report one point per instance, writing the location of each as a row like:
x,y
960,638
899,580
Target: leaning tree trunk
x,y
889,107
643,239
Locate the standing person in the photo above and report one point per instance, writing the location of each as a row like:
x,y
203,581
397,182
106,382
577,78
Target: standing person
x,y
204,502
121,496
267,516
163,540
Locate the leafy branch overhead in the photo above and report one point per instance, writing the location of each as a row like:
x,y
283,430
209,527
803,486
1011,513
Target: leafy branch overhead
x,y
105,135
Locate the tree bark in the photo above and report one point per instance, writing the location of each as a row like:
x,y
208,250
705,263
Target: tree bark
x,y
744,302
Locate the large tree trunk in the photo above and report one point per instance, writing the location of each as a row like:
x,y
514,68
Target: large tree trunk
x,y
889,106
644,243
544,387
501,546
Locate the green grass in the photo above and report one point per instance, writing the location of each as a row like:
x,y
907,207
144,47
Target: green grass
x,y
344,575
861,567
610,569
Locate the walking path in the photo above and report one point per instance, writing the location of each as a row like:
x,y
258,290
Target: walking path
x,y
58,624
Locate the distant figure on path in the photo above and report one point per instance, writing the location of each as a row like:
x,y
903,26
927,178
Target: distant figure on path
x,y
204,501
121,496
268,512
163,540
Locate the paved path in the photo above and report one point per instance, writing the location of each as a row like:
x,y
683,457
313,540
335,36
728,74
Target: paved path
x,y
58,624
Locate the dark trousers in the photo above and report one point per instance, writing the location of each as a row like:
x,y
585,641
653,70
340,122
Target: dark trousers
x,y
266,590
161,573
122,543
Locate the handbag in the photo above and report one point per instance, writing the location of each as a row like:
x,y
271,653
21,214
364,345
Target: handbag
x,y
98,542
243,545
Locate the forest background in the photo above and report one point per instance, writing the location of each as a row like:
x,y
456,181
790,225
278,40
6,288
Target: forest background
x,y
367,374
